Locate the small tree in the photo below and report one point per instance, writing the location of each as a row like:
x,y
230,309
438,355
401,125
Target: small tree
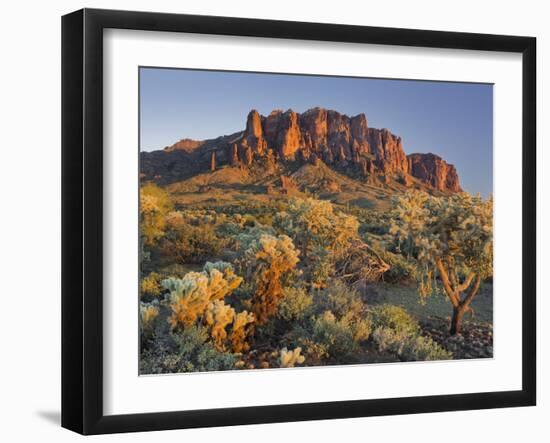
x,y
322,234
314,224
450,238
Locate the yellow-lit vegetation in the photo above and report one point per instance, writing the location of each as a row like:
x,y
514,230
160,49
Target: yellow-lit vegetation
x,y
292,281
270,258
155,203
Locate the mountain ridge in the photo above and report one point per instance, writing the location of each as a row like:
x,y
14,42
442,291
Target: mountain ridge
x,y
346,144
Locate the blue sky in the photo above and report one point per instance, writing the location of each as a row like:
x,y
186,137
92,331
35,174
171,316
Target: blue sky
x,y
453,120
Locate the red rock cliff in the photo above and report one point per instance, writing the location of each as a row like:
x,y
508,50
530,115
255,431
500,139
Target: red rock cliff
x,y
342,142
435,171
325,134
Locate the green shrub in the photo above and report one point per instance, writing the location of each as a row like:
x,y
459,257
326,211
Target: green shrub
x,y
341,300
360,328
334,336
390,340
349,310
314,352
396,332
423,349
395,318
187,351
193,244
295,304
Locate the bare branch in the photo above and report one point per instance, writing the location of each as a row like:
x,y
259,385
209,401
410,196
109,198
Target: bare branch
x,y
446,283
467,282
473,291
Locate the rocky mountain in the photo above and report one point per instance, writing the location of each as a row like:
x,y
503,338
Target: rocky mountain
x,y
433,170
346,144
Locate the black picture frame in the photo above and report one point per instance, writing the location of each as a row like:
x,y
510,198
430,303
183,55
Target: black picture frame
x,y
82,218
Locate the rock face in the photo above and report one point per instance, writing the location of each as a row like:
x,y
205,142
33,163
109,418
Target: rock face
x,y
435,171
327,135
317,135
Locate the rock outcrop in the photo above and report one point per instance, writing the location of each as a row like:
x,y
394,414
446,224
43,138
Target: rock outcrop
x,y
344,143
324,134
433,170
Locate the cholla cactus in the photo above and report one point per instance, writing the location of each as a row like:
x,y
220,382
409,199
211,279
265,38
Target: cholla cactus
x,y
147,314
198,298
242,323
155,203
409,215
451,237
313,223
322,234
288,359
190,296
270,257
223,279
217,316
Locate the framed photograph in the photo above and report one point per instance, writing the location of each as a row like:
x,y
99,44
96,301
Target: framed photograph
x,y
269,221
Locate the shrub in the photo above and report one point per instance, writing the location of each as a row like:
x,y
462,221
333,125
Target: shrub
x,y
150,285
423,349
395,318
321,267
155,203
341,300
390,340
294,304
395,331
185,351
193,244
336,337
314,352
361,329
349,310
